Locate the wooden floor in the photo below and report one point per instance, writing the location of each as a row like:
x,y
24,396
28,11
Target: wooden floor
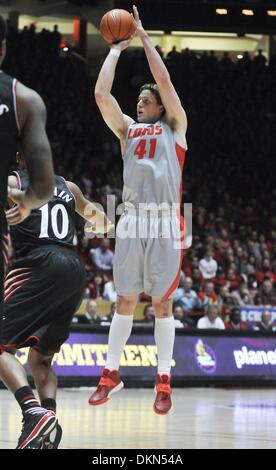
x,y
202,418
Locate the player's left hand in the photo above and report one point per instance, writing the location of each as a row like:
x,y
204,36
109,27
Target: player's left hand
x,y
138,23
19,212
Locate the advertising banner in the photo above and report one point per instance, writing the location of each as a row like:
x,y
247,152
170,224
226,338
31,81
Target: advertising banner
x,y
84,355
253,314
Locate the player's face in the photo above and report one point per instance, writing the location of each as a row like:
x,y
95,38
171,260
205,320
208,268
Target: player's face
x,y
148,110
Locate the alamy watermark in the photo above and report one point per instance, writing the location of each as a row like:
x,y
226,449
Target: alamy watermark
x,y
142,220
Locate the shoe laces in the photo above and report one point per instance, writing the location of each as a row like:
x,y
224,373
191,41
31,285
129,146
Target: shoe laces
x,y
164,389
24,420
106,382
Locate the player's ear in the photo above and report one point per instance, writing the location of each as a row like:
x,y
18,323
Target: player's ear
x,y
162,109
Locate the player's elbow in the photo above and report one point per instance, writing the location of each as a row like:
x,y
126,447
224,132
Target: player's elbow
x,y
48,190
164,78
100,96
44,190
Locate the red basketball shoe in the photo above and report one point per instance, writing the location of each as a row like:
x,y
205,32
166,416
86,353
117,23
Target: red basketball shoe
x,y
109,383
163,403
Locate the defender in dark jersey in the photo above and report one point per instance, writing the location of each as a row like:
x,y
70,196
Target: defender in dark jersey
x,y
43,288
22,119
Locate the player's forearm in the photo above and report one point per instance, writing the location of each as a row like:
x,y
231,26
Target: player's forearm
x,y
156,64
39,163
107,73
36,198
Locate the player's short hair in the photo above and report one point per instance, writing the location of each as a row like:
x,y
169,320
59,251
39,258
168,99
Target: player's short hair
x,y
153,88
3,29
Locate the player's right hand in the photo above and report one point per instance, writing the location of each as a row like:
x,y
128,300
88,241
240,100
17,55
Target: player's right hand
x,y
123,44
103,227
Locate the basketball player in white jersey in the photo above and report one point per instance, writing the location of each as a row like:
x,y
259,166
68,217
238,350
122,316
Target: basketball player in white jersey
x,y
153,150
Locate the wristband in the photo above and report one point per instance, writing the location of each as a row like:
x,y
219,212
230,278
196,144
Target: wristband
x,y
115,52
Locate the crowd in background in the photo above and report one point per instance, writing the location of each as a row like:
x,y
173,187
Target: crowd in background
x,y
229,175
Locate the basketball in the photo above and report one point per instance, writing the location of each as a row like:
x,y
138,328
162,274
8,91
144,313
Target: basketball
x,y
116,25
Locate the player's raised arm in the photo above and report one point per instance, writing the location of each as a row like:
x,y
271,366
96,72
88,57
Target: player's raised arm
x,y
175,113
89,211
35,146
108,105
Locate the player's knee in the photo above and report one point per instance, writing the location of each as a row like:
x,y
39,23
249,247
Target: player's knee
x,y
162,307
125,302
164,303
46,362
42,362
36,359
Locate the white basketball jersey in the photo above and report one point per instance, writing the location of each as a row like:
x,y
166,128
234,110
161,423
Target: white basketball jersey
x,y
153,164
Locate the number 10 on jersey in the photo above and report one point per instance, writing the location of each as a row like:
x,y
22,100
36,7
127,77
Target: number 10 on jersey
x,y
49,217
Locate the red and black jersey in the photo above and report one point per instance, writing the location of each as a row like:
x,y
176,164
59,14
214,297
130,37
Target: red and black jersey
x,y
53,223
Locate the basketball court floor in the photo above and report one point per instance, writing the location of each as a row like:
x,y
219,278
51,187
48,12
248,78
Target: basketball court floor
x,y
202,418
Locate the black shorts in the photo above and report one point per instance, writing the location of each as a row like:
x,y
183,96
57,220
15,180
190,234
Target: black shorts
x,y
42,292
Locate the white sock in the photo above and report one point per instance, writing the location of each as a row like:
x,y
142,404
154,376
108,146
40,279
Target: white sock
x,y
164,334
119,333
